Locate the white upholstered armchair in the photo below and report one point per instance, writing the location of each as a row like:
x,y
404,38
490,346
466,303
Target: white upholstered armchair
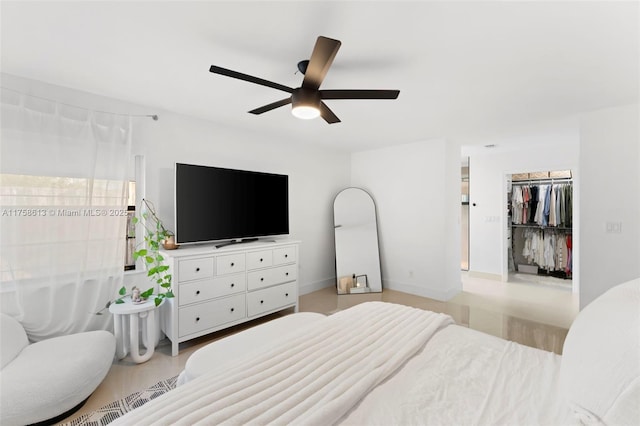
x,y
47,380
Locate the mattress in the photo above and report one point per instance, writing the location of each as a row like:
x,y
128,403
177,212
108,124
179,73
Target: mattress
x,y
465,377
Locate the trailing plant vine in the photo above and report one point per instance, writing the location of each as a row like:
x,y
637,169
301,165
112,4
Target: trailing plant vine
x,y
154,235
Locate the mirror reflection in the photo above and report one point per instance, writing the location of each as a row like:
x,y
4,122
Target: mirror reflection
x,y
356,240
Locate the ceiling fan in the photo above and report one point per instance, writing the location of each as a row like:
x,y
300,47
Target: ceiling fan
x,y
307,100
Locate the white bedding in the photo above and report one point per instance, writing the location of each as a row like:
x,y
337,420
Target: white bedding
x,y
363,366
314,377
464,377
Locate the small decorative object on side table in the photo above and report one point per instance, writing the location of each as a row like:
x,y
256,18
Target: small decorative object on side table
x,y
126,324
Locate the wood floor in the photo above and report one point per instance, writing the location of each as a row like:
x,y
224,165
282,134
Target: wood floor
x,y
533,315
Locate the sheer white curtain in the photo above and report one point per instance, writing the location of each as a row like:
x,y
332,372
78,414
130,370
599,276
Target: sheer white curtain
x,y
63,185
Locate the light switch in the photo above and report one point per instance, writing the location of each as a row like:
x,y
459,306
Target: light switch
x,y
614,227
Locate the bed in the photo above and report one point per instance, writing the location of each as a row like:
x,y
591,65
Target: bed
x,y
382,364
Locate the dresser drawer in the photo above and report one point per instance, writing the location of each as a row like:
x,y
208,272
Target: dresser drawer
x,y
271,298
195,269
284,255
271,276
202,316
230,264
202,290
259,259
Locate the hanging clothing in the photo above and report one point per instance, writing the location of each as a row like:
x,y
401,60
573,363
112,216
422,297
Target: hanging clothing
x,y
549,248
552,207
533,204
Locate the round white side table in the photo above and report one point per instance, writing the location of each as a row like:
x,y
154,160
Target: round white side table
x,y
126,325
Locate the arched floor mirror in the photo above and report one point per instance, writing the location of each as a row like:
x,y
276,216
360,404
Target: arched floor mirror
x,y
356,240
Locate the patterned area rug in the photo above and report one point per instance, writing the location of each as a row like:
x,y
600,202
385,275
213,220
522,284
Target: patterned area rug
x,y
110,412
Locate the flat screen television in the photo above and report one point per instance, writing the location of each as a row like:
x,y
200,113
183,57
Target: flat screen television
x,y
215,204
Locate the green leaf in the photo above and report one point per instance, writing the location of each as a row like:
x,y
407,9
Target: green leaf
x,y
153,270
158,301
159,258
165,285
163,268
148,259
159,281
146,294
169,294
135,220
122,291
119,301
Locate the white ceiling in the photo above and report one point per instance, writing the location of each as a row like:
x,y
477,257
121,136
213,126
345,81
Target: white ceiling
x,y
464,69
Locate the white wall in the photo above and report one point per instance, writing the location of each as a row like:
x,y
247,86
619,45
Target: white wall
x,y
610,169
555,148
416,188
315,174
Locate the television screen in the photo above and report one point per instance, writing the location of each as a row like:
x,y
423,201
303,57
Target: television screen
x,y
214,204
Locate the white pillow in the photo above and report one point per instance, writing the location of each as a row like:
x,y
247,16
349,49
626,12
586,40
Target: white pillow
x,y
600,372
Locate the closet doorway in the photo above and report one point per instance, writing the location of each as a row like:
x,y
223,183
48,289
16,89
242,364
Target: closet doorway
x,y
540,228
464,215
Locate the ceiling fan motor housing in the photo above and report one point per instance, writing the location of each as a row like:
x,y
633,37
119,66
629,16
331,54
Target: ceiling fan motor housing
x,y
305,97
305,103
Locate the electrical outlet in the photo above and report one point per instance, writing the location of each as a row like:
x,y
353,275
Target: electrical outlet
x,y
614,227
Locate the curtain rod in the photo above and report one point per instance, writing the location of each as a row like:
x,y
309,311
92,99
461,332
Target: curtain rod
x,y
154,117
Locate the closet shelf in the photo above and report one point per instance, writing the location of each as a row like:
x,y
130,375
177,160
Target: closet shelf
x,y
530,182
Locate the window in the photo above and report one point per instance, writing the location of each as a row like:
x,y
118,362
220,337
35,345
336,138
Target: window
x,y
54,223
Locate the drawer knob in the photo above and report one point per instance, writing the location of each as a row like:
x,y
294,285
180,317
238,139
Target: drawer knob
x,y
261,259
232,309
286,255
261,279
197,319
197,269
286,294
197,292
286,274
262,301
232,264
232,285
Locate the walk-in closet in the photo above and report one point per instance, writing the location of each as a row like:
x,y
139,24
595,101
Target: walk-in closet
x,y
540,207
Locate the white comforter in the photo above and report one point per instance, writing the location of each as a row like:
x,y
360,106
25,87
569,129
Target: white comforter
x,y
314,377
465,377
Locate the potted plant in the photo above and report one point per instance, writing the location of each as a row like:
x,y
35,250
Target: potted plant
x,y
155,236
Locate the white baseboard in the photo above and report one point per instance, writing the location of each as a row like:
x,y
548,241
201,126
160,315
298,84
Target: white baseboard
x,y
485,275
440,295
315,286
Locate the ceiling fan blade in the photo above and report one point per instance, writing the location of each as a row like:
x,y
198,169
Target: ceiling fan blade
x,y
327,114
271,106
321,59
359,94
251,79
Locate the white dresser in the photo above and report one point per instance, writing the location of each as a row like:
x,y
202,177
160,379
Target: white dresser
x,y
216,288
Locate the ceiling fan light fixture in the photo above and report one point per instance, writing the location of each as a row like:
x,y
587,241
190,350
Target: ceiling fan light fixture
x,y
305,104
305,112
